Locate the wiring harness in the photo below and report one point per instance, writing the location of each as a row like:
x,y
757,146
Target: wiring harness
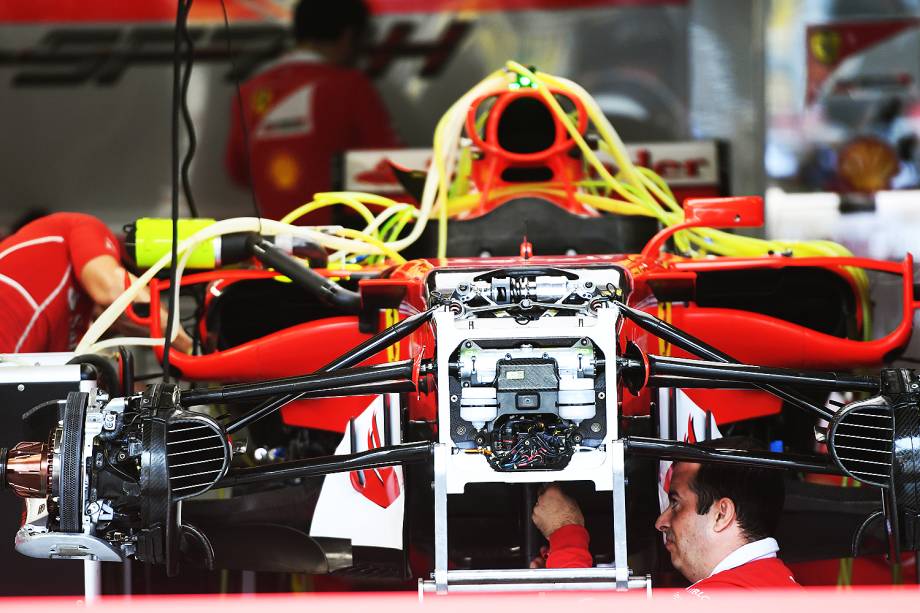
x,y
448,192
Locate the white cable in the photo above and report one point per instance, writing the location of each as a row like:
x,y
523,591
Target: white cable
x,y
378,221
268,227
453,128
450,140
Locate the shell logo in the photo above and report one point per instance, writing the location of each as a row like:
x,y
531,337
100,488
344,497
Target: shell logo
x,y
867,164
283,171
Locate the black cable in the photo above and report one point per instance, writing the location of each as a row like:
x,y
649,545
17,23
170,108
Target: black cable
x,y
106,373
174,270
127,371
325,290
239,101
186,114
206,546
117,471
41,407
860,532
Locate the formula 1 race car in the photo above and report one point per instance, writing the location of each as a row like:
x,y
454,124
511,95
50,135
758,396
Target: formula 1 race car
x,y
402,414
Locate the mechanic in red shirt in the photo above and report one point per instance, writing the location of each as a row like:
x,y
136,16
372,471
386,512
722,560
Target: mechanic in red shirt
x,y
304,109
718,525
54,272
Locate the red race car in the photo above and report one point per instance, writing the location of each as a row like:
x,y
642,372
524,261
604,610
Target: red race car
x,y
401,415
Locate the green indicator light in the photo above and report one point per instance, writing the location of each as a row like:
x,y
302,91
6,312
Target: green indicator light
x,y
524,81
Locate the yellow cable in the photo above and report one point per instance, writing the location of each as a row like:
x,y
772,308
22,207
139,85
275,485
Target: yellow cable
x,y
357,235
319,203
639,191
709,239
442,166
463,203
576,135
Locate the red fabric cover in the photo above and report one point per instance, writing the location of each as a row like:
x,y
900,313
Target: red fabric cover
x,y
57,311
568,548
343,112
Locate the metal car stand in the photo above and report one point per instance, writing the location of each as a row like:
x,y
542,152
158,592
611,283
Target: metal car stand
x,y
614,577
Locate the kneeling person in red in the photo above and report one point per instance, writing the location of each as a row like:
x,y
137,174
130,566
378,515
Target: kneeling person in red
x,y
718,526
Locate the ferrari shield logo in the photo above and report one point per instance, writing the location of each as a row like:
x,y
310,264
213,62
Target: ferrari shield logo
x,y
260,100
825,46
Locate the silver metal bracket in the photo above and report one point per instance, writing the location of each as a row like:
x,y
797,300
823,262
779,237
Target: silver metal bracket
x,y
534,580
619,515
65,546
615,577
441,456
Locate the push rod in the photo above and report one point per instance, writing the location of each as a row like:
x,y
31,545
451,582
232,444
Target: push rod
x,y
273,404
695,346
405,453
294,385
688,452
746,373
353,357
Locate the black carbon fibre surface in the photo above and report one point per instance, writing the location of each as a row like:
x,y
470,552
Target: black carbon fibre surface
x,y
197,455
159,541
907,466
71,482
860,441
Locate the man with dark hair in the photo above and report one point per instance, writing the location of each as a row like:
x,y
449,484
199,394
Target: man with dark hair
x,y
718,525
304,109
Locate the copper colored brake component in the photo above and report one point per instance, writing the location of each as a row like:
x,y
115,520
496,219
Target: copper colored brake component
x,y
26,469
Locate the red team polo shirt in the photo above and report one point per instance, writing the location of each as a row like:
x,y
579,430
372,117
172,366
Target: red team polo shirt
x,y
768,573
568,548
301,112
42,304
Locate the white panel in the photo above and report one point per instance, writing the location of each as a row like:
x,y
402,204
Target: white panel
x,y
342,511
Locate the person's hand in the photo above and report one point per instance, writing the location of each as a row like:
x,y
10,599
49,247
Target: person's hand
x,y
555,510
182,342
125,326
540,560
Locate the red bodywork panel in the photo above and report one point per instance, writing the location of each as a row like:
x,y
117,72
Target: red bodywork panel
x,y
749,337
297,350
489,170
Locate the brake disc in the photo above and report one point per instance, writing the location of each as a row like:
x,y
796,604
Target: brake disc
x,y
71,462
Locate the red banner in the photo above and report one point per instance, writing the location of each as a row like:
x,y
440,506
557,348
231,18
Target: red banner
x,y
109,11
